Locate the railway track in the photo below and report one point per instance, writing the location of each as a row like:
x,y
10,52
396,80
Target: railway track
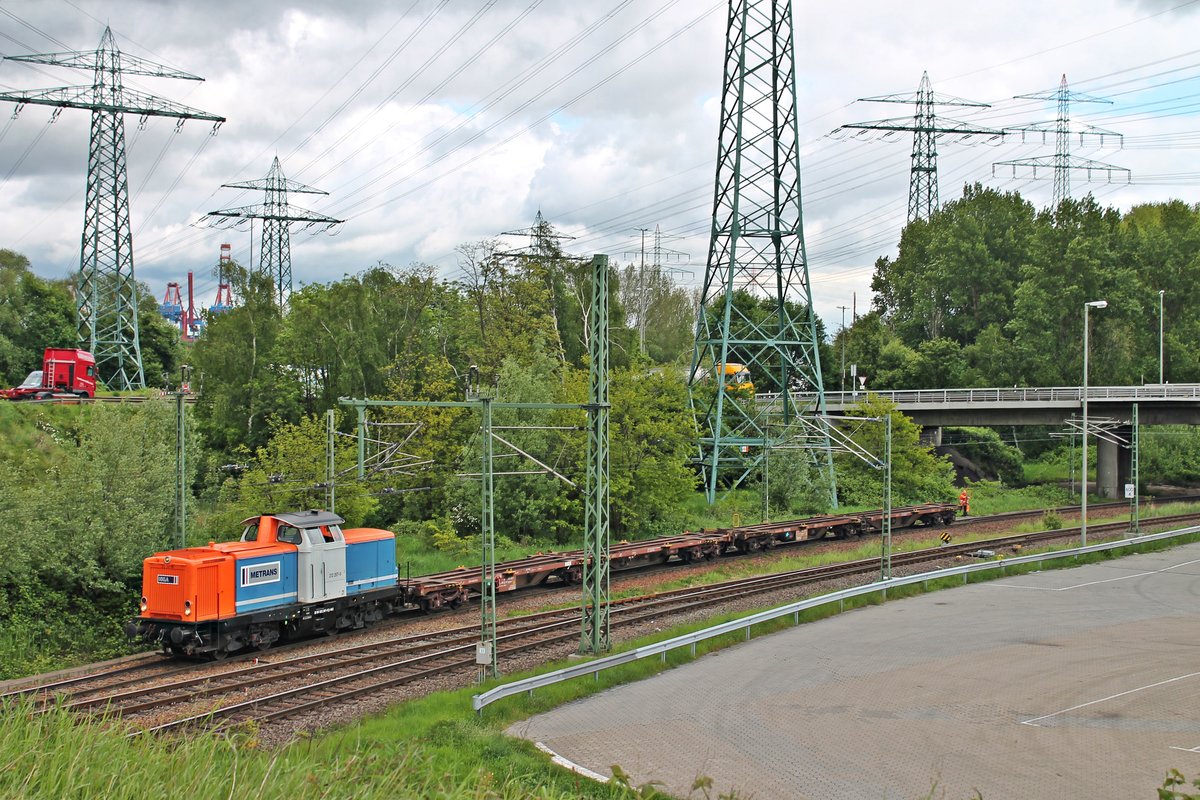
x,y
1071,511
300,685
94,684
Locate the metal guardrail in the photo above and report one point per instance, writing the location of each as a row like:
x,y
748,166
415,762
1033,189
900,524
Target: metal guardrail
x,y
595,666
1044,394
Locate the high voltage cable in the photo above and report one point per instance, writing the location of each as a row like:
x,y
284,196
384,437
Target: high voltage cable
x,y
510,115
425,65
396,52
371,78
539,66
498,37
513,83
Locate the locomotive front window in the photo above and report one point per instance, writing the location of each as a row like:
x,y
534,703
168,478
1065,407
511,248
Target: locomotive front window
x,y
289,535
250,533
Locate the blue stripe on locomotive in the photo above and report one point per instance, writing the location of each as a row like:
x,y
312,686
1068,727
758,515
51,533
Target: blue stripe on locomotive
x,y
265,581
370,565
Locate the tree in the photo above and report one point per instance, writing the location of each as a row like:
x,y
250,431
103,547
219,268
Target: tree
x,y
34,314
289,473
244,385
651,444
956,273
918,476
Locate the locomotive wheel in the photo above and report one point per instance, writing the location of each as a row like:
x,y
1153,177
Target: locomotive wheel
x,y
220,654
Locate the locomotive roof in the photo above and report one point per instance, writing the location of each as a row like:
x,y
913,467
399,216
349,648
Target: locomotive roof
x,y
303,519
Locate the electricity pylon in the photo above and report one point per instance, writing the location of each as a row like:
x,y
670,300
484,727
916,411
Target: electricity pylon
x,y
275,253
756,305
106,301
926,127
544,241
1062,161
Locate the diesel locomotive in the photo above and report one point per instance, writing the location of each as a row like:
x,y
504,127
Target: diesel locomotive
x,y
290,575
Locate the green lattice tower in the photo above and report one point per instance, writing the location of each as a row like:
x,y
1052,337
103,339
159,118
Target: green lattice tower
x,y
594,637
1062,162
277,215
106,300
756,305
926,127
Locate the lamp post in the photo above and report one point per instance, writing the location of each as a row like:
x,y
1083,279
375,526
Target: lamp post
x,y
843,384
1161,292
1083,469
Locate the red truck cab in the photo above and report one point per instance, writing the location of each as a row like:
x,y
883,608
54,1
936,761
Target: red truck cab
x,y
65,373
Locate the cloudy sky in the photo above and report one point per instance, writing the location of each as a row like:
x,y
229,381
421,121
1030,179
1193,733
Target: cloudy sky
x,y
432,123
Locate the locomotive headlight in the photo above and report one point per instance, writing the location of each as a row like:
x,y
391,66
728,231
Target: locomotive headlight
x,y
187,608
145,604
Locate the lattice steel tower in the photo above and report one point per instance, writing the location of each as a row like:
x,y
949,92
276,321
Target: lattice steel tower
x,y
926,127
1062,161
756,305
275,254
107,297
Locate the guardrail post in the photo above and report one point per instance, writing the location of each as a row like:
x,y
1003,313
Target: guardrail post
x,y
693,649
663,656
747,633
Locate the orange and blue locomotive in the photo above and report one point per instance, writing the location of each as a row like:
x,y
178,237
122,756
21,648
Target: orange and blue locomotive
x,y
290,575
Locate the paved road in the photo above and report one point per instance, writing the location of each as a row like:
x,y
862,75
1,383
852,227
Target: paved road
x,y
1063,684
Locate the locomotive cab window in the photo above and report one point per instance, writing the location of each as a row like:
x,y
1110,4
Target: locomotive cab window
x,y
289,535
250,532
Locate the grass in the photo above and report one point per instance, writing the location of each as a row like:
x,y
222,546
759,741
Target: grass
x,y
429,749
991,497
434,747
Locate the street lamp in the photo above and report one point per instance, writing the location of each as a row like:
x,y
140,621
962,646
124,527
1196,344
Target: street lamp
x,y
1161,292
843,384
1083,471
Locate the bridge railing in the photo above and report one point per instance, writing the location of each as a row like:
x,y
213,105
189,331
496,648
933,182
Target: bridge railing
x,y
1015,394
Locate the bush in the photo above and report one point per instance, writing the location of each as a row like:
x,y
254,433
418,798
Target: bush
x,y
985,447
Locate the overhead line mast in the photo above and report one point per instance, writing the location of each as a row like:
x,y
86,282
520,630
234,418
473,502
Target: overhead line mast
x,y
106,299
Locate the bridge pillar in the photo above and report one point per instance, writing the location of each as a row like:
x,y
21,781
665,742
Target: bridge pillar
x,y
931,436
1113,467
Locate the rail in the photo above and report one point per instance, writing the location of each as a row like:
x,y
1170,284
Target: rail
x,y
594,667
1043,394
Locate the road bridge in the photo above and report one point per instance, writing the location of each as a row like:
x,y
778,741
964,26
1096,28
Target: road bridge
x,y
933,409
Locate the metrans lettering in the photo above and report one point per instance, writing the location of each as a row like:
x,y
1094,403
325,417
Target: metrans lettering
x,y
254,574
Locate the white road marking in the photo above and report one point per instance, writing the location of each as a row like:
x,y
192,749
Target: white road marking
x,y
1093,583
1187,749
571,765
1110,697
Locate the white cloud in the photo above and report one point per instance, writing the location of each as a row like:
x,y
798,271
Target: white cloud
x,y
435,146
